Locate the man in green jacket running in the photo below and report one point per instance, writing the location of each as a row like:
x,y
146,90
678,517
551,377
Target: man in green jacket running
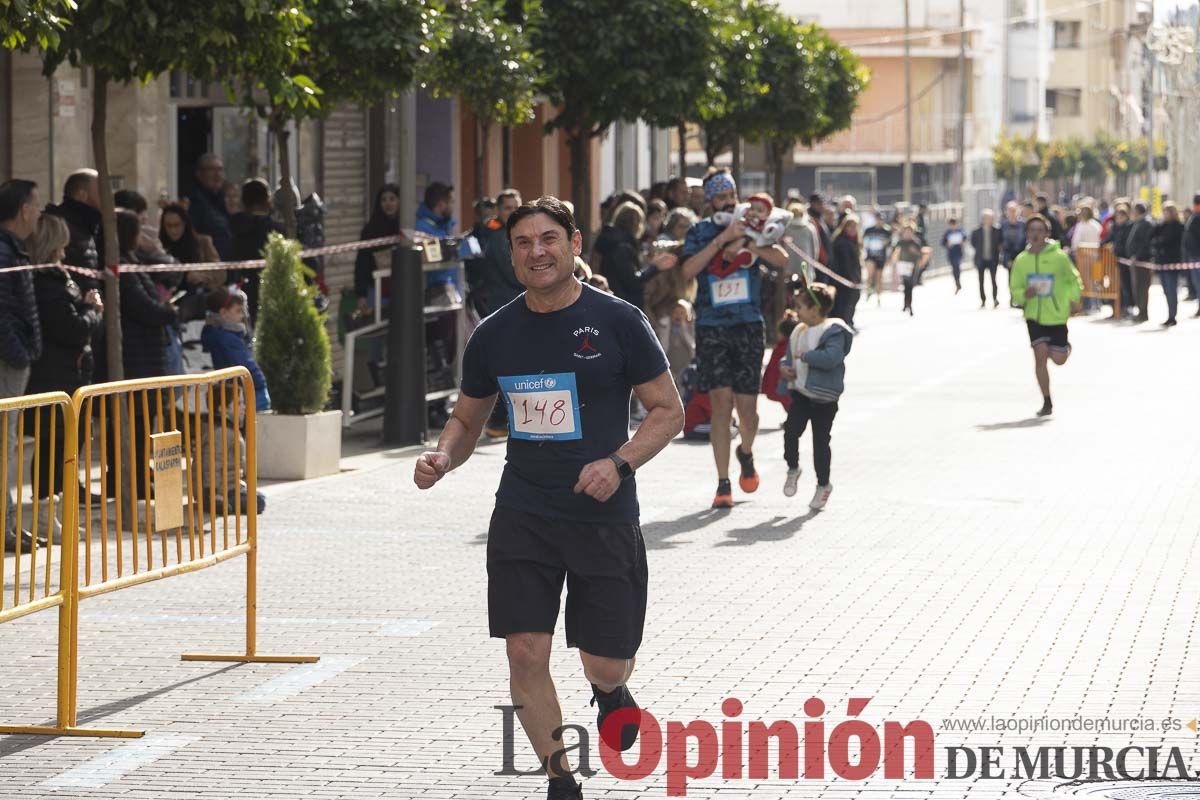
x,y
1046,284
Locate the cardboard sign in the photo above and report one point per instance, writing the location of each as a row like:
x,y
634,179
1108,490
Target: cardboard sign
x,y
432,252
167,452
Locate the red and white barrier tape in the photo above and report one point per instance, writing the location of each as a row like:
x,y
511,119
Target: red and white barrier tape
x,y
328,250
787,240
1179,266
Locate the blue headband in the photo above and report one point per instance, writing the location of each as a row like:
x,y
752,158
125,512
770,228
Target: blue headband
x,y
719,182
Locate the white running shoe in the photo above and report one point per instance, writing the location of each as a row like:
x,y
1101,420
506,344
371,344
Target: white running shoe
x,y
789,483
821,497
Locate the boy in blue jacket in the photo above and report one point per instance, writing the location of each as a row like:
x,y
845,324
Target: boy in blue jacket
x,y
224,337
814,368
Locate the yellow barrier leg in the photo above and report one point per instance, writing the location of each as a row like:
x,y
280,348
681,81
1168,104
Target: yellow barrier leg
x,y
250,656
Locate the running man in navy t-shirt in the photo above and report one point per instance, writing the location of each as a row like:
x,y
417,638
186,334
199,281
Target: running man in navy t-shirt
x,y
729,329
563,357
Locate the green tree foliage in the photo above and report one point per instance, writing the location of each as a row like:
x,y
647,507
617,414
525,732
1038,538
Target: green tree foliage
x,y
33,23
488,64
292,345
610,60
740,37
136,40
354,51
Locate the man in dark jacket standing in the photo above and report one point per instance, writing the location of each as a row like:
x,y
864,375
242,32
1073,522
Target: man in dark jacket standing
x,y
80,209
985,240
1137,247
207,205
1191,245
20,331
250,231
1117,236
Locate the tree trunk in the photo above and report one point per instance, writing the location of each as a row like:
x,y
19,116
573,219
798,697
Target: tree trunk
x,y
483,127
506,157
110,248
581,182
737,160
682,129
285,196
777,165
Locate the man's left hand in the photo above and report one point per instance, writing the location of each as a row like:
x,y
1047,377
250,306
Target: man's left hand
x,y
599,480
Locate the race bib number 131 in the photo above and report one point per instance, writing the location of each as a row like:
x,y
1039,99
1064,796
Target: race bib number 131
x,y
542,407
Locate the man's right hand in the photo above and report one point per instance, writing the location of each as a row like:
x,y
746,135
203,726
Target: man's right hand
x,y
736,229
431,467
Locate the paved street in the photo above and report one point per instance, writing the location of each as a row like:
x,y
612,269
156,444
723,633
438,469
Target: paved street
x,y
972,562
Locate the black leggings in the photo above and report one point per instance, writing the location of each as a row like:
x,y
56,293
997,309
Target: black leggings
x,y
800,412
909,281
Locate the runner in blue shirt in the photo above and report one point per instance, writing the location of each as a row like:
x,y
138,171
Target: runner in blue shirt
x,y
564,358
729,328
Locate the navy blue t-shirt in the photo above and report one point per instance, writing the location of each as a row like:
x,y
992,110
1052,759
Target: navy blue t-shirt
x,y
725,295
566,377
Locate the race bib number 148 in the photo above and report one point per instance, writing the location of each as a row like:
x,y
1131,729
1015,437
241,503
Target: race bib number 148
x,y
542,407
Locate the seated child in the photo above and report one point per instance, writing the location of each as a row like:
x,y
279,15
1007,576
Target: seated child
x,y
224,338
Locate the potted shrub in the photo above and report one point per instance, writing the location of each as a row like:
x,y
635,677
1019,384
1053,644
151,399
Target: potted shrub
x,y
298,438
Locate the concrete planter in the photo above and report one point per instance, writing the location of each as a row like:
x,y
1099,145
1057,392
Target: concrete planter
x,y
299,447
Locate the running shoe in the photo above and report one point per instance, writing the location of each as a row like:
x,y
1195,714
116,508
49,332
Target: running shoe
x,y
1047,408
561,789
748,480
820,497
789,483
724,498
608,703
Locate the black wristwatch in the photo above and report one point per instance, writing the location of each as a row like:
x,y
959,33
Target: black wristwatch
x,y
623,467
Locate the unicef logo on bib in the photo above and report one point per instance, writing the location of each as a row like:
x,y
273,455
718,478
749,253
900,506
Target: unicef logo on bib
x,y
542,407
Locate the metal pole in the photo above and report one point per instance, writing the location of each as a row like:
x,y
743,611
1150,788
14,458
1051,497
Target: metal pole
x,y
907,109
1150,116
960,155
404,415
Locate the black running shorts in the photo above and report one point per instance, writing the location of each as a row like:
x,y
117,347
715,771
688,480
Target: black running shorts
x,y
729,356
603,563
1053,335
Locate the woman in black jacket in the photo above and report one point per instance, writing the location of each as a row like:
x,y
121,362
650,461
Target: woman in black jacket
x,y
847,263
384,221
622,264
70,319
1166,245
146,324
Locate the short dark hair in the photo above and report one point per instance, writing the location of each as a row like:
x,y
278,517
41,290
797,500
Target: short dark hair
x,y
1038,218
549,205
819,295
128,230
255,193
1196,199
131,199
507,193
952,221
436,192
79,179
217,300
1139,207
14,194
1042,198
675,183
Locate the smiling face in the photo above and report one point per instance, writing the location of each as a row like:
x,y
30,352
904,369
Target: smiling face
x,y
543,254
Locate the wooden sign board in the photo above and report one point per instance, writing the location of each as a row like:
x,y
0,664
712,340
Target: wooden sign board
x,y
167,451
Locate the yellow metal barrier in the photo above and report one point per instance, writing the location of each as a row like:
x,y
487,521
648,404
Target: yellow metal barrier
x,y
169,429
52,413
1097,266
